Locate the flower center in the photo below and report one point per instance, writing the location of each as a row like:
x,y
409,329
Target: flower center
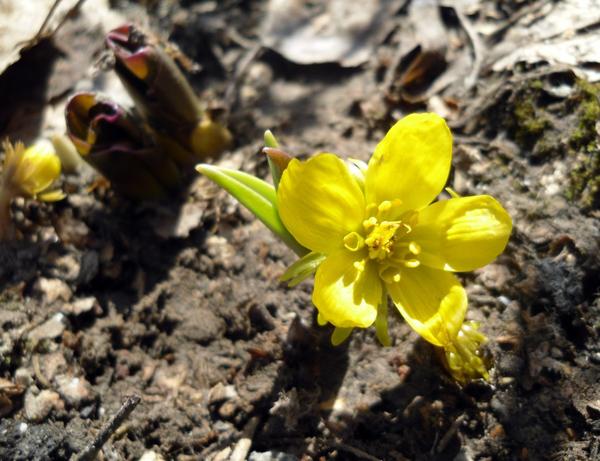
x,y
385,238
380,240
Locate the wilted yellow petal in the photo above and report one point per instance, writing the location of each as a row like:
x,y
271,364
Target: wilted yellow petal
x,y
319,202
432,301
464,357
347,291
462,234
411,163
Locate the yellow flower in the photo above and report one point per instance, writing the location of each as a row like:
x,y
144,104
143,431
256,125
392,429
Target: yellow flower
x,y
381,235
30,172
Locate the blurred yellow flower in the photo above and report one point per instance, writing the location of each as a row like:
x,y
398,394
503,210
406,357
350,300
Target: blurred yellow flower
x,y
30,172
381,235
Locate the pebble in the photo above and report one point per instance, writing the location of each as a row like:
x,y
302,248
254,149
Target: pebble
x,y
593,409
23,377
53,364
220,393
50,329
52,290
220,250
271,456
82,306
75,390
151,456
595,358
67,267
90,265
38,407
223,455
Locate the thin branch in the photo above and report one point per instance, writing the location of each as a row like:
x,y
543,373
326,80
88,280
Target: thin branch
x,y
90,452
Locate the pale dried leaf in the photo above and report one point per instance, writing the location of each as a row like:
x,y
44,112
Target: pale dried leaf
x,y
334,31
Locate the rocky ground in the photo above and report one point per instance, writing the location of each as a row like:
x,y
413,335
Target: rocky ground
x,y
180,302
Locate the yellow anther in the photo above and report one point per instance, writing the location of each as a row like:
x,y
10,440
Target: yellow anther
x,y
385,206
354,241
383,210
412,263
371,222
359,265
414,248
389,274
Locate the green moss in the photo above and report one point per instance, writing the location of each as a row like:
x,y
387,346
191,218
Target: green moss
x,y
585,182
583,141
588,114
529,122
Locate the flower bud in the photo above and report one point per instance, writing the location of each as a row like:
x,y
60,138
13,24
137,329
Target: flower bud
x,y
107,137
27,173
164,97
30,172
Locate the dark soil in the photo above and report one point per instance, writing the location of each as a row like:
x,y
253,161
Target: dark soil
x,y
99,301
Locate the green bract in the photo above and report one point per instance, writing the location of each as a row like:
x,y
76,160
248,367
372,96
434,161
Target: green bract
x,y
255,194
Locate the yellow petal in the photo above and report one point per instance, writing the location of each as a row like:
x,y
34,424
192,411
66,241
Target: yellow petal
x,y
433,302
319,202
52,196
347,291
462,234
38,169
411,163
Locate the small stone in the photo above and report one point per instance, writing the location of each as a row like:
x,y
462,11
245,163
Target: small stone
x,y
52,289
271,456
81,306
151,456
170,379
53,364
38,407
67,267
220,393
593,409
220,250
223,455
228,409
90,265
50,329
75,390
23,377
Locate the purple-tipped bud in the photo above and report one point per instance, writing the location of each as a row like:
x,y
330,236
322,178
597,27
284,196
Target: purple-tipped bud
x,y
108,139
158,87
164,97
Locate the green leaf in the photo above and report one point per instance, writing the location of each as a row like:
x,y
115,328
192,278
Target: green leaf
x,y
270,139
302,269
256,195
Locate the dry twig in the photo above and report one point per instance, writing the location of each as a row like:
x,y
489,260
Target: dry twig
x,y
90,452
